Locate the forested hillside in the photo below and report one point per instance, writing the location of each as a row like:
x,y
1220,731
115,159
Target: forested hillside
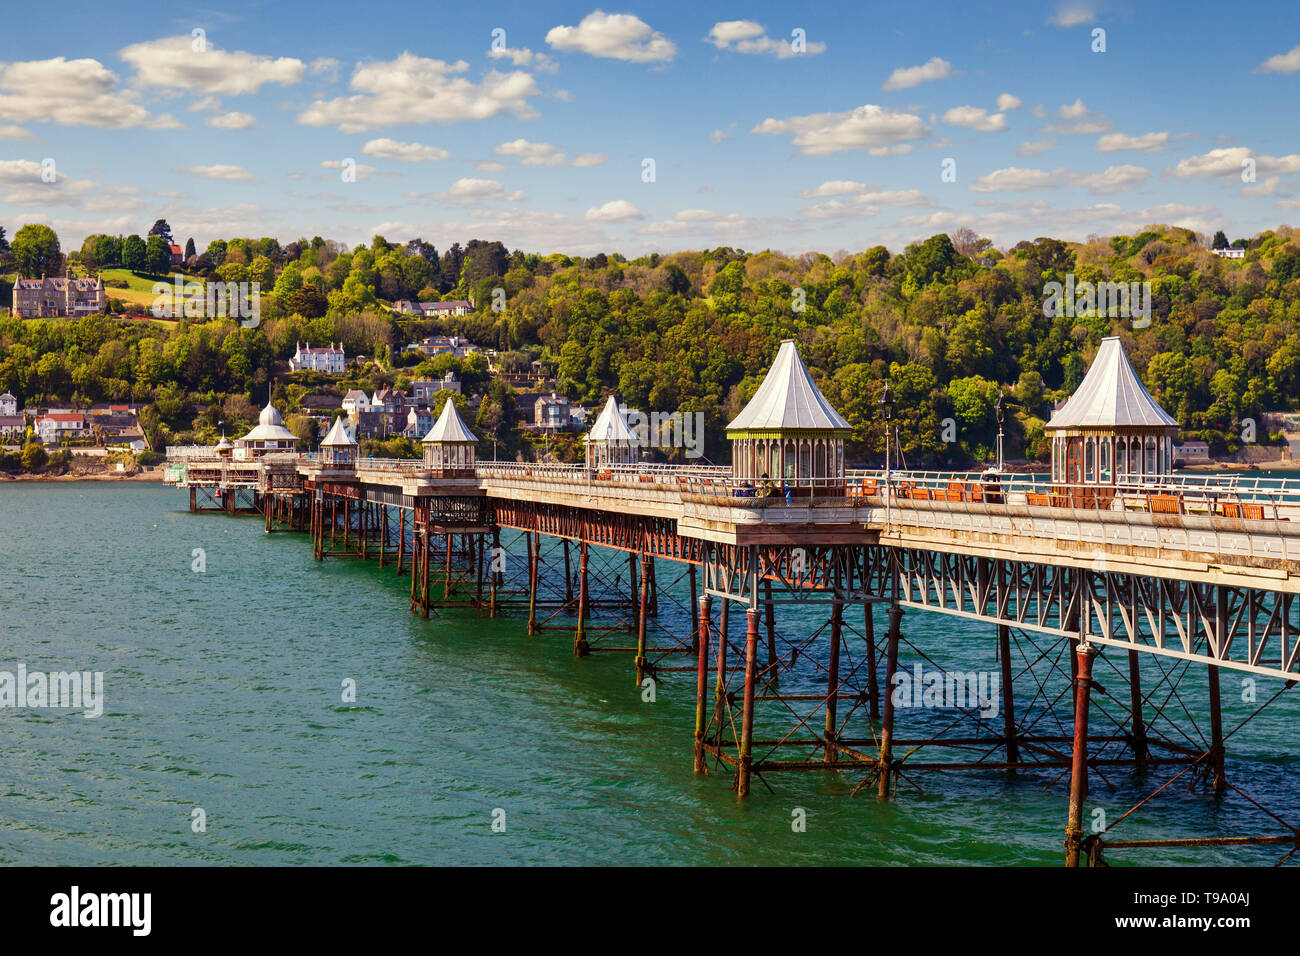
x,y
948,321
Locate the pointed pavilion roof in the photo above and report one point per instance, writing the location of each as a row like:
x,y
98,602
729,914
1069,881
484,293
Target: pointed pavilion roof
x,y
788,399
449,429
337,436
1111,395
270,427
610,426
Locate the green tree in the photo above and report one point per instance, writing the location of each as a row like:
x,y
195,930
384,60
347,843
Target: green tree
x,y
36,252
157,255
133,253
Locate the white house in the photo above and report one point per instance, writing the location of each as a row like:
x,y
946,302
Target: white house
x,y
56,426
1230,253
329,359
356,401
8,406
418,422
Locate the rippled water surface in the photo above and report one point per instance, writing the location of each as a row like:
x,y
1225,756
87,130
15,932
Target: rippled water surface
x,y
223,691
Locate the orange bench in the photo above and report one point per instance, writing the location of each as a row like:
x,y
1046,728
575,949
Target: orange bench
x,y
1165,504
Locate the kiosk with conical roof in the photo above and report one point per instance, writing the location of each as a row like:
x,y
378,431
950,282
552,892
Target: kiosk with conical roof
x,y
338,449
1111,431
789,431
267,437
449,446
610,441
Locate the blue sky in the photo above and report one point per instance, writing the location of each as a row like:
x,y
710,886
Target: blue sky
x,y
248,128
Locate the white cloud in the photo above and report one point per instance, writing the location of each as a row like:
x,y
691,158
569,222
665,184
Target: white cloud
x,y
1008,102
906,77
1074,13
975,118
326,67
1015,179
862,193
15,132
616,210
1035,147
544,154
490,166
747,36
531,154
878,130
232,121
1147,142
173,62
222,172
722,134
70,93
385,148
468,190
522,56
1075,119
413,90
1228,161
616,36
1288,62
1113,180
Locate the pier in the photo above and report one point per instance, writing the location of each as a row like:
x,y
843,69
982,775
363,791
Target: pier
x,y
799,586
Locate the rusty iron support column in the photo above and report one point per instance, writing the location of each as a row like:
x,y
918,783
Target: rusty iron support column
x,y
643,609
1141,750
580,647
720,682
873,683
701,674
833,676
1216,714
887,717
1216,733
1079,754
530,538
424,572
383,531
747,709
1008,697
194,498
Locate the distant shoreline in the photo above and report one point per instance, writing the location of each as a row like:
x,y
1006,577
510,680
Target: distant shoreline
x,y
153,474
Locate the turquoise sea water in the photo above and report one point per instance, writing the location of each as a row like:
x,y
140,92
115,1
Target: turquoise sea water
x,y
223,691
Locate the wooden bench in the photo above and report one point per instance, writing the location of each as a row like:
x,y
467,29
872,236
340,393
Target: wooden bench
x,y
1165,504
1037,499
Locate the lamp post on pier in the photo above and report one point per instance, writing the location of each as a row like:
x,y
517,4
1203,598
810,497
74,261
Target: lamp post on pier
x,y
1001,409
887,406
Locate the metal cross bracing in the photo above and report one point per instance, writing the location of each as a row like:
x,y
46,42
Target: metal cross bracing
x,y
801,681
1245,629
